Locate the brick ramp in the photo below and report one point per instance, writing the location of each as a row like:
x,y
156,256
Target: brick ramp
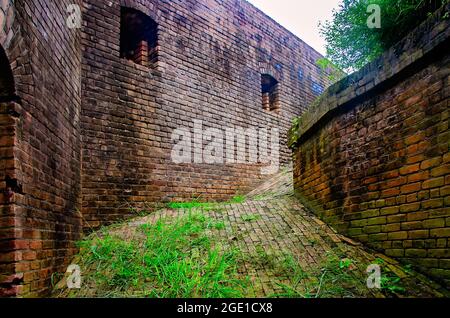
x,y
272,225
285,251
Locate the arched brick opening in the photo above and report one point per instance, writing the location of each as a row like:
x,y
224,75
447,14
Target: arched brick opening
x,y
9,282
270,92
136,5
138,37
7,87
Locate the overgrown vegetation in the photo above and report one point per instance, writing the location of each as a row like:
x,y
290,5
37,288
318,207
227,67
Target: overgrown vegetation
x,y
332,72
172,258
250,217
196,203
294,133
336,277
351,43
194,254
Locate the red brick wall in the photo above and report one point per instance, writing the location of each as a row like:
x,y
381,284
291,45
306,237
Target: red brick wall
x,y
377,165
40,148
7,164
210,58
72,89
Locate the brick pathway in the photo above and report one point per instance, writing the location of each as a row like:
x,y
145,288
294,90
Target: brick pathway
x,y
271,227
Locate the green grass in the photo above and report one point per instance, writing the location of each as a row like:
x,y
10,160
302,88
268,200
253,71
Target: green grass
x,y
250,217
333,278
175,258
392,283
190,205
187,256
219,225
238,199
196,204
407,268
345,263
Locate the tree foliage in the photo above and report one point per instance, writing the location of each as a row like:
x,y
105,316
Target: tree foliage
x,y
351,43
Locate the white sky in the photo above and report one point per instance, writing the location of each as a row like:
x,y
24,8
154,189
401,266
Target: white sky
x,y
301,17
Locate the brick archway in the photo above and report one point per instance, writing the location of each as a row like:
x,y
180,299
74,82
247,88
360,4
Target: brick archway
x,y
7,87
133,4
9,282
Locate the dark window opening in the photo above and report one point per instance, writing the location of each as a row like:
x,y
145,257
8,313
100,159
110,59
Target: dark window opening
x,y
7,87
270,93
138,37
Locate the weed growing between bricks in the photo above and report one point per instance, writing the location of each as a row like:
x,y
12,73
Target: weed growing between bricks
x,y
199,250
170,259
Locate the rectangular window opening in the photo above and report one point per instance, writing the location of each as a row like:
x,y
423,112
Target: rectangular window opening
x,y
270,93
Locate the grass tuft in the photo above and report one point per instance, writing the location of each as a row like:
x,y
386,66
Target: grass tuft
x,y
176,258
250,217
196,204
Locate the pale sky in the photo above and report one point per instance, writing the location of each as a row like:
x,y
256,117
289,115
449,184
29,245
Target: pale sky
x,y
301,17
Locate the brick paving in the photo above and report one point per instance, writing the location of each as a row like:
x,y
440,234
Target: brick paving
x,y
272,223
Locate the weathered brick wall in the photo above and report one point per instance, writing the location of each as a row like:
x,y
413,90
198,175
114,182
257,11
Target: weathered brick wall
x,y
372,156
210,58
40,146
7,135
7,16
70,87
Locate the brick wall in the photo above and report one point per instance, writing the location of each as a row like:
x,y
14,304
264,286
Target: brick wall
x,y
84,129
372,155
7,137
7,17
210,57
40,147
